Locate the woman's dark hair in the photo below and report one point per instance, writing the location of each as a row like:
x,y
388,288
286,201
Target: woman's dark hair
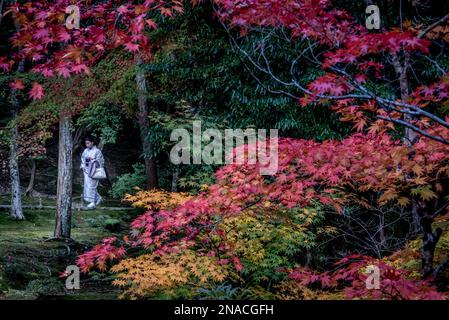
x,y
89,138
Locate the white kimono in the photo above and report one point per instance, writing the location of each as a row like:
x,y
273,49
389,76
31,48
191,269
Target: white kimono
x,y
90,193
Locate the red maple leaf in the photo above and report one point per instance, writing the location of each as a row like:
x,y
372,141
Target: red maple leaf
x,y
40,34
151,24
17,85
4,64
36,92
80,68
132,47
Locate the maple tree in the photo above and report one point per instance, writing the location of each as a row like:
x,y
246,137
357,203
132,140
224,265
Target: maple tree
x,y
355,78
349,57
43,39
156,199
334,173
150,273
55,50
394,283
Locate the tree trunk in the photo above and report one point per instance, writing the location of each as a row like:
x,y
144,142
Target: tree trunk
x,y
401,71
64,187
144,124
30,188
16,196
16,200
382,236
429,242
409,136
420,210
175,179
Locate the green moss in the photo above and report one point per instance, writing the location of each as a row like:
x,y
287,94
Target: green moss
x,y
30,264
113,225
45,286
13,294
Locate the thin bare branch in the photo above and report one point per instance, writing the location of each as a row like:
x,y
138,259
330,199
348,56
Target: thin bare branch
x,y
414,128
433,26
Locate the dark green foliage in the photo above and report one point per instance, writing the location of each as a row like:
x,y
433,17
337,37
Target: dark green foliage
x,y
113,225
46,287
127,182
198,69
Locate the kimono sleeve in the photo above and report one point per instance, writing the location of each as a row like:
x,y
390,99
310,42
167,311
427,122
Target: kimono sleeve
x,y
83,160
99,157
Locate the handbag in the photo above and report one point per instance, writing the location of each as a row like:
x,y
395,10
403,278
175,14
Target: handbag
x,y
99,174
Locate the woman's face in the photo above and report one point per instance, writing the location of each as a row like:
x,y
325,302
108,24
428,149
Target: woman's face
x,y
89,144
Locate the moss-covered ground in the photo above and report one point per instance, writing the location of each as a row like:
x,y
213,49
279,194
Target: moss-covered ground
x,y
30,262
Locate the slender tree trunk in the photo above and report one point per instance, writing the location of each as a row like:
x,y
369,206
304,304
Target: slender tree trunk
x,y
30,188
401,71
16,200
175,179
64,189
410,136
144,124
430,239
100,145
382,236
309,257
16,196
422,219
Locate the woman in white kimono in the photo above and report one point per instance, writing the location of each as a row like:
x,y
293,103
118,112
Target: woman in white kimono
x,y
89,156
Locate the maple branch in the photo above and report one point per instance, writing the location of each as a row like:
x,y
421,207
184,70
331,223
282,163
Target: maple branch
x,y
407,108
288,94
294,83
436,213
432,26
234,45
417,111
414,128
437,65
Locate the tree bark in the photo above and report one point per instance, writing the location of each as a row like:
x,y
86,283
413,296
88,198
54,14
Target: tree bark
x,y
30,188
144,125
410,136
401,71
64,187
16,199
420,210
382,236
175,179
16,196
429,242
